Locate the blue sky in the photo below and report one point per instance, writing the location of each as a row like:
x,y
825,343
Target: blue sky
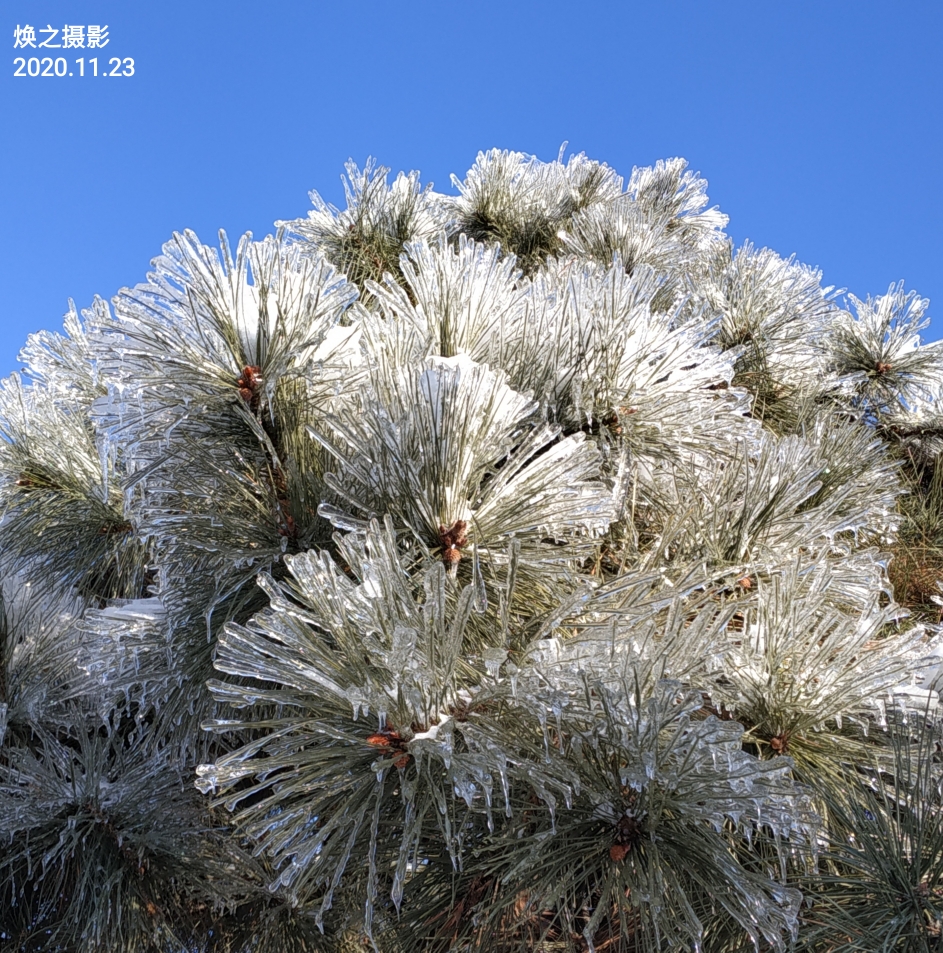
x,y
818,125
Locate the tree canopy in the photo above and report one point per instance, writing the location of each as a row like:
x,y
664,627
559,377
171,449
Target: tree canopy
x,y
524,569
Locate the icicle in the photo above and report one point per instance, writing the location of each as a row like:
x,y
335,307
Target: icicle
x,y
358,701
494,658
341,520
512,672
481,593
514,552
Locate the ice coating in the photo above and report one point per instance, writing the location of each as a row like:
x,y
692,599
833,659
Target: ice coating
x,y
513,568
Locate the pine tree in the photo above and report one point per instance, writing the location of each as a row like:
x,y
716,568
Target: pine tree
x,y
520,570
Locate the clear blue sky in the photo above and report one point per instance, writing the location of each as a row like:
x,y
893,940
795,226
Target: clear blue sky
x,y
818,125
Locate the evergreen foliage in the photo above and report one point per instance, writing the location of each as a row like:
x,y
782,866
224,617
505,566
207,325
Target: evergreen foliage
x,y
520,570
